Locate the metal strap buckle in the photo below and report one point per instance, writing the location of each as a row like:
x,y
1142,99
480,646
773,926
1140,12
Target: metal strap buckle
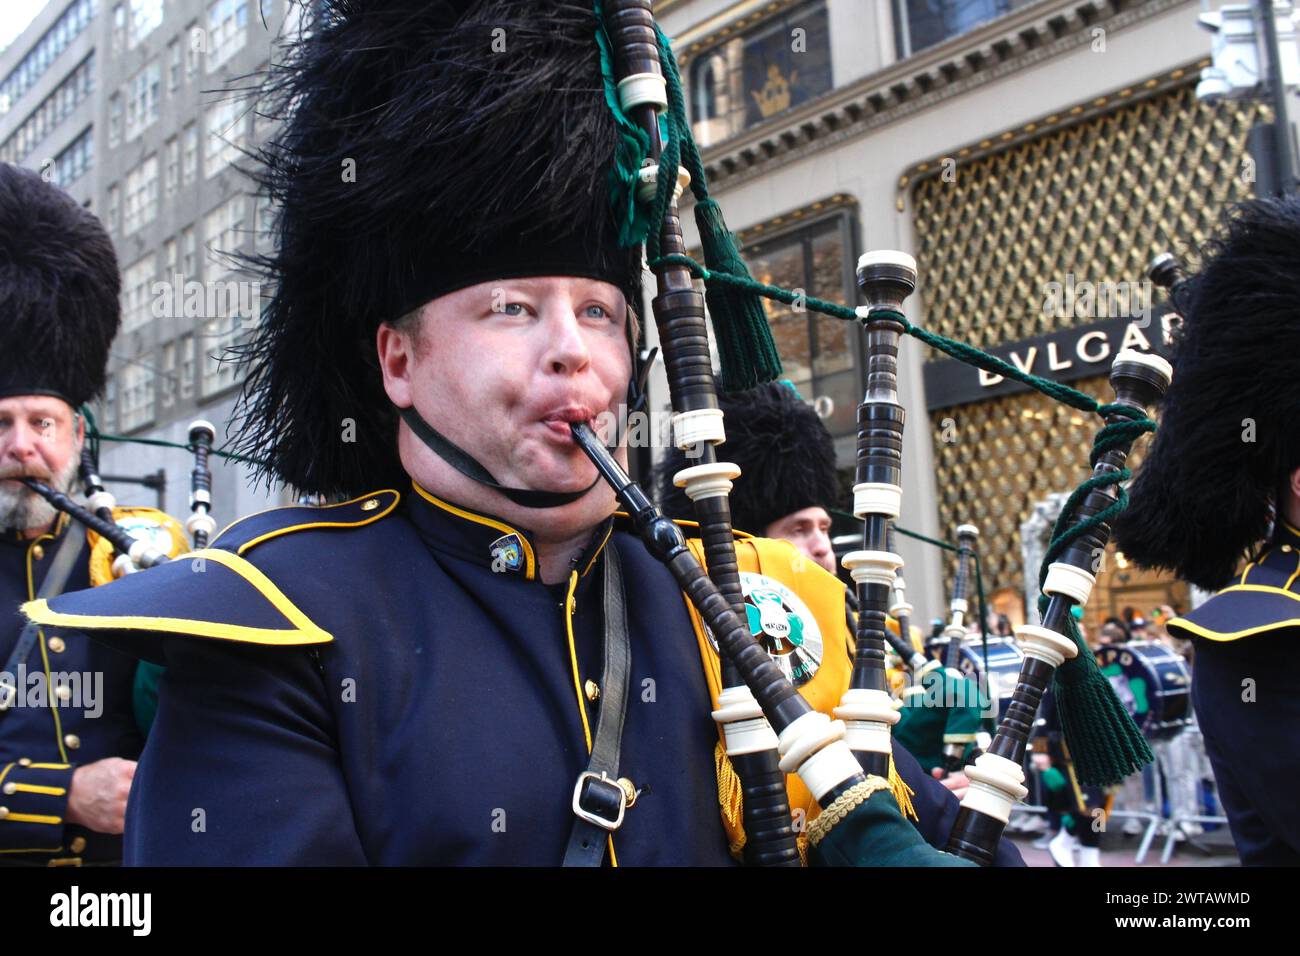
x,y
591,816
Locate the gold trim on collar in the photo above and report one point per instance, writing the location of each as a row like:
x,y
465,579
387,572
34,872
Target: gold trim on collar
x,y
1295,575
315,524
304,631
1246,571
529,561
599,548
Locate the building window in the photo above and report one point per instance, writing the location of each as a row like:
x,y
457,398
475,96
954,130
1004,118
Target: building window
x,y
919,24
108,408
776,65
173,66
119,28
227,30
142,103
146,16
171,260
189,255
53,42
56,107
76,160
196,42
115,119
265,224
190,166
224,232
114,208
223,228
141,196
220,365
227,131
816,352
167,371
172,177
187,366
137,396
136,279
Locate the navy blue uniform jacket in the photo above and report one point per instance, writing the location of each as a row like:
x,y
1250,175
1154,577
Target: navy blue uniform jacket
x,y
1246,692
42,745
414,698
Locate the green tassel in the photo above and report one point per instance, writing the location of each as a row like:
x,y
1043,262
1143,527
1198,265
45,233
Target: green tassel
x,y
633,144
1105,744
745,347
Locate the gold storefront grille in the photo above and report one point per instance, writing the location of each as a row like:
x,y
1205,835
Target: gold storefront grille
x,y
1097,200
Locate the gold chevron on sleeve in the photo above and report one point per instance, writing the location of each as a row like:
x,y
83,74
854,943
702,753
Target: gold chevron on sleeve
x,y
300,630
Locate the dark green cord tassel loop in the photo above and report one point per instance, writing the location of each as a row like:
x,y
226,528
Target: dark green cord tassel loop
x,y
746,351
1105,744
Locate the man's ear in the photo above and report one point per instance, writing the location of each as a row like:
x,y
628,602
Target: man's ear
x,y
78,432
396,350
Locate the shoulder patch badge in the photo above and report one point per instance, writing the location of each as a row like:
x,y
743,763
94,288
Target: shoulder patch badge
x,y
783,625
507,553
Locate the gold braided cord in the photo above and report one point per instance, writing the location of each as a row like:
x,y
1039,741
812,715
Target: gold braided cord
x,y
844,804
902,792
731,798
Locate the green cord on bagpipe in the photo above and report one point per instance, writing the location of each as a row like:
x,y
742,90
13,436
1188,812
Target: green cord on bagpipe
x,y
1106,742
94,436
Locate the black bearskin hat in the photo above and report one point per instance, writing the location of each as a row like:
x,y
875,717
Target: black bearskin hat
x,y
59,306
786,458
424,146
1230,431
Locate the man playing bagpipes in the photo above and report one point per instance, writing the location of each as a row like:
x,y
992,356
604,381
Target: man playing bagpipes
x,y
1217,501
68,730
470,660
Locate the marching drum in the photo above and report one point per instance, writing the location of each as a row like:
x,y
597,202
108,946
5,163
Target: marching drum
x,y
1154,684
1004,660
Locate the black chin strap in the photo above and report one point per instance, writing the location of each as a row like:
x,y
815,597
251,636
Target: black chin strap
x,y
463,462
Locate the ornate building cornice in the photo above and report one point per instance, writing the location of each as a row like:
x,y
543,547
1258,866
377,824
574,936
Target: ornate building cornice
x,y
998,49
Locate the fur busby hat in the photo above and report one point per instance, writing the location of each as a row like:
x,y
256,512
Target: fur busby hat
x,y
786,458
424,146
1230,432
59,306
